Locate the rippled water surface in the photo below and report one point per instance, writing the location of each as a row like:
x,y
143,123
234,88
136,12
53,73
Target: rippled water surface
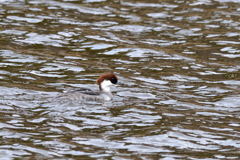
x,y
178,64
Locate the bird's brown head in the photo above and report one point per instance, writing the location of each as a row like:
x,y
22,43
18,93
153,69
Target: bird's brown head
x,y
108,76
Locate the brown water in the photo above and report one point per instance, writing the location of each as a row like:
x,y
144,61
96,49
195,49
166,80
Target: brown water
x,y
178,63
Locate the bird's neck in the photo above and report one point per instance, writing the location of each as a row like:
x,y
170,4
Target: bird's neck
x,y
105,86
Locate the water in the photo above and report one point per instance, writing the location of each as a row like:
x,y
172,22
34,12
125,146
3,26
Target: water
x,y
178,65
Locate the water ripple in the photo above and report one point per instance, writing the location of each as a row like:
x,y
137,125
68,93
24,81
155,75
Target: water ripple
x,y
178,70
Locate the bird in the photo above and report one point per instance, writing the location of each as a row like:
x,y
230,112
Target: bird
x,y
105,81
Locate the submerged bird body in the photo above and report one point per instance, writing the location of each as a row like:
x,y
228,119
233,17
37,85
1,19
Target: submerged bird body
x,y
85,95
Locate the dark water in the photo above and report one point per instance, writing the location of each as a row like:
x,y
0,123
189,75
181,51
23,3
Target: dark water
x,y
178,63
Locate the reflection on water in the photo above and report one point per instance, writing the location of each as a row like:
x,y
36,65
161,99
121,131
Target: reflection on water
x,y
178,63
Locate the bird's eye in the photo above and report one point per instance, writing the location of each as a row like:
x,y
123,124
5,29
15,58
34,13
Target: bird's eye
x,y
113,80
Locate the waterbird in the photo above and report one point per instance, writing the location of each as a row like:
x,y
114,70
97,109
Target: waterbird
x,y
105,81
